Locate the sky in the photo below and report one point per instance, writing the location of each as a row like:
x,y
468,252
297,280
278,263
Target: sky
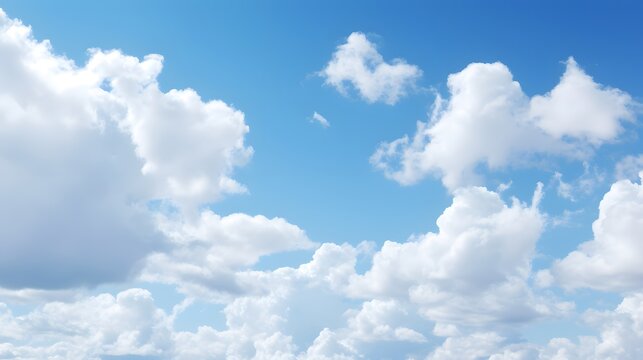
x,y
321,180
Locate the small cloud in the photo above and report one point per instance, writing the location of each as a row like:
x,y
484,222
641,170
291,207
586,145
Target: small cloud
x,y
358,63
320,119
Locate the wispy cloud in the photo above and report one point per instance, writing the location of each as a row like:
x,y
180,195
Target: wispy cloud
x,y
320,119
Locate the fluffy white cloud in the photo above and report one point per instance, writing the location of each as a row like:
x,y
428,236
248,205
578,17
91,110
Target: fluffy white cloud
x,y
488,120
63,209
207,252
472,271
357,62
82,151
253,331
327,346
580,108
131,324
472,347
128,324
611,261
375,322
189,147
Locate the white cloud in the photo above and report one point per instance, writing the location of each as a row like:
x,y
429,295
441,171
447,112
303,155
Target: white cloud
x,y
472,271
611,261
84,149
127,324
472,347
358,63
320,119
252,332
206,252
131,324
580,108
189,147
63,209
327,346
375,322
488,120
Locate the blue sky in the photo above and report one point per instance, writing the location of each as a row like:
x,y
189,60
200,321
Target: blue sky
x,y
227,218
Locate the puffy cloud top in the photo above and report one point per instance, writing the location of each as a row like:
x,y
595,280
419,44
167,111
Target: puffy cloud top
x,y
357,62
89,147
489,120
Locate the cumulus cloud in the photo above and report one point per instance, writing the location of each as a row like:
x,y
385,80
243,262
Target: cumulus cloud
x,y
207,252
472,271
611,261
489,120
189,147
130,323
126,324
474,346
84,149
63,209
375,321
358,63
580,108
327,346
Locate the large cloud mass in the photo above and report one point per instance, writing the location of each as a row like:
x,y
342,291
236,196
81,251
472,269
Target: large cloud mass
x,y
489,120
82,151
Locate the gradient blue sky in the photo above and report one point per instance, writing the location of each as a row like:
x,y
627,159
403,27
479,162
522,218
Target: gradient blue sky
x,y
265,58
